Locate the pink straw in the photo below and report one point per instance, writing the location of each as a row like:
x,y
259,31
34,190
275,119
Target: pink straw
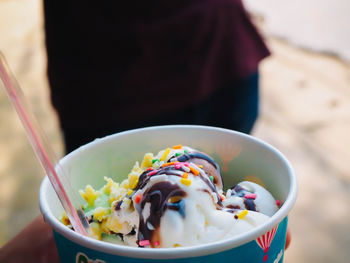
x,y
44,152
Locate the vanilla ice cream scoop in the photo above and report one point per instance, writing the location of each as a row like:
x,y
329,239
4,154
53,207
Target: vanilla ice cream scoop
x,y
173,192
250,196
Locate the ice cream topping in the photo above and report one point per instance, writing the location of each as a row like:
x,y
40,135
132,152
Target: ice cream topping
x,y
174,199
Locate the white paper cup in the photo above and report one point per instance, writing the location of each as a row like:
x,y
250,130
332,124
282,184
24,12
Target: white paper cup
x,y
241,157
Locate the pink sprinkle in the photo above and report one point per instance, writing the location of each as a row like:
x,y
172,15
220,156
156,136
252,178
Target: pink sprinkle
x,y
156,243
144,242
186,164
178,165
278,202
153,172
250,196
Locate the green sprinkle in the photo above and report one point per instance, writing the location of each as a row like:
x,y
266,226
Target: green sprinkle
x,y
211,178
155,160
177,154
185,151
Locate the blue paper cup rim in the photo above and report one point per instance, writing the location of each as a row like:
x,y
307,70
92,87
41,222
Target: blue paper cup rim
x,y
179,252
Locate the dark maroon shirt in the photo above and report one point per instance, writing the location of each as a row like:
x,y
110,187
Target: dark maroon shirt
x,y
123,60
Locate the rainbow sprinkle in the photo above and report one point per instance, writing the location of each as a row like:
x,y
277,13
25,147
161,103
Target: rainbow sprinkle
x,y
144,242
177,147
185,175
156,243
185,168
155,160
250,196
165,154
153,172
211,178
242,214
168,164
194,171
149,169
178,165
185,181
130,192
137,199
278,202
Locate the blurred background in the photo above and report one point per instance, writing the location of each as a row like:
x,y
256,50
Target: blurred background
x,y
305,113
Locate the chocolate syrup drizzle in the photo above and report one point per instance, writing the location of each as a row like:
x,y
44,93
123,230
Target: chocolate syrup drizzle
x,y
158,196
241,192
198,155
145,176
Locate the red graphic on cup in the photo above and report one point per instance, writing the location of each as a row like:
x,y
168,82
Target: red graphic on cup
x,y
265,240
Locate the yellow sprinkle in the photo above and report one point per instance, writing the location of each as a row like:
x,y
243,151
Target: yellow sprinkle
x,y
125,184
200,166
185,175
109,185
130,192
103,226
96,230
185,181
147,160
177,147
165,154
112,199
136,169
242,214
101,213
89,194
117,194
133,180
114,224
65,219
176,245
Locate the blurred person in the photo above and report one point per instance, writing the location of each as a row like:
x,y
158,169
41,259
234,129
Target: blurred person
x,y
115,66
34,244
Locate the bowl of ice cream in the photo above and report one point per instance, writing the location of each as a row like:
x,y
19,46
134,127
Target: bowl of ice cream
x,y
196,193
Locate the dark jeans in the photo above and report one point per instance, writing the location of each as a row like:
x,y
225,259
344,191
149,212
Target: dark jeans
x,y
233,107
